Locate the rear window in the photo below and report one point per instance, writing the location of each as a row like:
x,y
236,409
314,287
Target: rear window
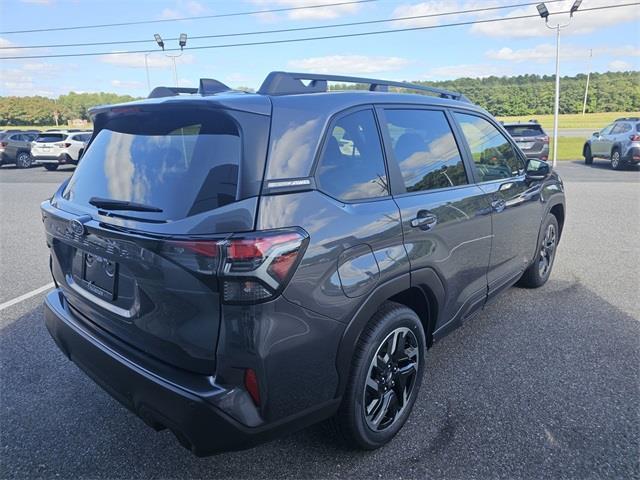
x,y
50,137
524,130
182,163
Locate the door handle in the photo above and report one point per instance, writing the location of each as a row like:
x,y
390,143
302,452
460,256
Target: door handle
x,y
424,220
498,205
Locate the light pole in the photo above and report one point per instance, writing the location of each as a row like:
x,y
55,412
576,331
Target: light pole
x,y
182,41
544,13
586,88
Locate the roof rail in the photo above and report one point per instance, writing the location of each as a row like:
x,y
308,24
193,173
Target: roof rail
x,y
208,86
289,83
627,119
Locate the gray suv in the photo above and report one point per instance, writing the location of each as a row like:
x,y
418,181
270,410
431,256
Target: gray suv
x,y
619,143
15,147
530,137
236,266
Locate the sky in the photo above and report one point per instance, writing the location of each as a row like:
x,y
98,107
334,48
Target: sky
x,y
503,48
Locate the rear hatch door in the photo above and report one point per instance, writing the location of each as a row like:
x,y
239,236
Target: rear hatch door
x,y
134,233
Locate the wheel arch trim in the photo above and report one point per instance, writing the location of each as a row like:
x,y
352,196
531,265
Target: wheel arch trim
x,y
425,280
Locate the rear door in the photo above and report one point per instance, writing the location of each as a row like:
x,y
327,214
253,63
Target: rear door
x,y
515,202
146,271
446,219
599,143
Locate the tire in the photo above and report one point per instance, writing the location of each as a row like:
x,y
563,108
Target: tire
x,y
539,271
380,379
588,158
24,160
616,160
51,166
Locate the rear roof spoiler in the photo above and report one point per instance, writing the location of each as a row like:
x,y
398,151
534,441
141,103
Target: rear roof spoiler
x,y
208,86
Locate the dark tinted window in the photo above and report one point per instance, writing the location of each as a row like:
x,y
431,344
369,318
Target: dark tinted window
x,y
524,130
182,163
492,153
352,165
425,149
50,137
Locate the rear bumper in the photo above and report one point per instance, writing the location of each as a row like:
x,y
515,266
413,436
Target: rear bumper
x,y
164,397
63,158
632,155
538,154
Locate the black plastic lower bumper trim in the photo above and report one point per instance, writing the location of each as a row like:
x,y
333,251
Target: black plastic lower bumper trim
x,y
161,403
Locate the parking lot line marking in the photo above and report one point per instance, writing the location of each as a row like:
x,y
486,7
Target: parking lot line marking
x,y
30,294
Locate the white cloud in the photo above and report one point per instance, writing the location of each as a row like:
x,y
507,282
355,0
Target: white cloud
x,y
546,52
6,49
136,60
582,22
420,9
466,70
619,65
18,82
126,84
183,9
349,64
38,2
322,13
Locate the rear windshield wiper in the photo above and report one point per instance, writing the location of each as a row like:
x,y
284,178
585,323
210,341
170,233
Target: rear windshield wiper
x,y
111,204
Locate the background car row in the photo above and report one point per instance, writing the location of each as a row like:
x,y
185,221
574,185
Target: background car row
x,y
52,148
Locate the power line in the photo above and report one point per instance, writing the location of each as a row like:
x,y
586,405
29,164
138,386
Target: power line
x,y
285,30
199,17
325,37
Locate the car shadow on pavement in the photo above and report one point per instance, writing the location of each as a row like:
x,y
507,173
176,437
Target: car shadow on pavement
x,y
543,383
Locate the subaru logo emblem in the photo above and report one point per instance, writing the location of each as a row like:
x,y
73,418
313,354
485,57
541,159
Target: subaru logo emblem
x,y
77,227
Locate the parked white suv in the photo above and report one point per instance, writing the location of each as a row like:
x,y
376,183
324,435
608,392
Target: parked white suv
x,y
59,147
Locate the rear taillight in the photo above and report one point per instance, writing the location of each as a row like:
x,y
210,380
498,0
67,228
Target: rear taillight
x,y
4,144
544,138
63,145
635,138
250,267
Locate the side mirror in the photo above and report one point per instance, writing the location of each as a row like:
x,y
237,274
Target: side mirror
x,y
596,134
537,169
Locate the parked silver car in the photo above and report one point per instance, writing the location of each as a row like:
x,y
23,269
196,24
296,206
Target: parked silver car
x,y
619,143
15,147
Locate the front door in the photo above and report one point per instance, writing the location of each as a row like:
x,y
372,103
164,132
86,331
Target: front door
x,y
446,219
515,202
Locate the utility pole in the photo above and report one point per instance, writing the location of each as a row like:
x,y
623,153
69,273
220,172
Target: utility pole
x,y
146,66
544,13
586,88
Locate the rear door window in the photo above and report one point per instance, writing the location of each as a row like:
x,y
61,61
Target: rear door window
x,y
425,149
352,165
182,163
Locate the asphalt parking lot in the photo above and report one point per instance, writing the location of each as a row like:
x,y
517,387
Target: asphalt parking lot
x,y
543,383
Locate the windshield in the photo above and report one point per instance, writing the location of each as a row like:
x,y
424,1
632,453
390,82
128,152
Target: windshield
x,y
181,163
